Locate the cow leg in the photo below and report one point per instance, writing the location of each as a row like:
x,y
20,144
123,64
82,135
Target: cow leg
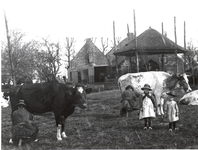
x,y
58,135
59,126
158,104
11,141
162,106
20,142
63,127
127,113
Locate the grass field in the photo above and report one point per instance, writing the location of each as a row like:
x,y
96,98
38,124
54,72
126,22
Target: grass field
x,y
101,127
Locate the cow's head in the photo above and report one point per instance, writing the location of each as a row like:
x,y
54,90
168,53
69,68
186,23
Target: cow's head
x,y
183,82
79,95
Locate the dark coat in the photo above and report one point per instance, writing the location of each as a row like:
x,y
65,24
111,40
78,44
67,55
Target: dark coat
x,y
130,97
151,96
22,126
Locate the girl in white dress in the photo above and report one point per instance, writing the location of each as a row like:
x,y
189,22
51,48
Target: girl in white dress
x,y
147,106
171,111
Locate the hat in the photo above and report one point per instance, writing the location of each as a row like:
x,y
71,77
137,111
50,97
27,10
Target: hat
x,y
129,86
147,86
21,102
172,93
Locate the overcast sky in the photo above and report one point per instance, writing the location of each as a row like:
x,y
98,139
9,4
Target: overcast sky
x,y
83,19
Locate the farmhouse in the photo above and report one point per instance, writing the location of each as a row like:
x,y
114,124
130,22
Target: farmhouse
x,y
89,65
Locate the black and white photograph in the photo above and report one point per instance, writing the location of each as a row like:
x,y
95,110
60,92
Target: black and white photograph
x,y
99,74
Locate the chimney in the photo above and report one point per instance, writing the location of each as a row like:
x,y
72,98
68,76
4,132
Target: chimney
x,y
130,36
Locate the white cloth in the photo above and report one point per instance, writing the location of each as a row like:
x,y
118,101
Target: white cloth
x,y
172,111
147,109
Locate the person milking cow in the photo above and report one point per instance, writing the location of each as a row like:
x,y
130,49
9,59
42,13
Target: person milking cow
x,y
147,106
128,101
23,126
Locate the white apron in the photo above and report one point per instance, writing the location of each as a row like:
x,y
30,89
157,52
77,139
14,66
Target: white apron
x,y
148,109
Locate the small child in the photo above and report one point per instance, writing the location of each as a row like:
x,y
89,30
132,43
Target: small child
x,y
147,106
171,111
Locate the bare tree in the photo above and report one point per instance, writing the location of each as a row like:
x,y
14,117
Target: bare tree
x,y
192,59
10,52
30,58
117,42
22,57
192,55
69,50
105,50
93,39
104,45
48,64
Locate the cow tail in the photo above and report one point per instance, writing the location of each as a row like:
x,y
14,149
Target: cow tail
x,y
119,86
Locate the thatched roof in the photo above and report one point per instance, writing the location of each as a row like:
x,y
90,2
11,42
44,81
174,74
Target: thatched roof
x,y
150,42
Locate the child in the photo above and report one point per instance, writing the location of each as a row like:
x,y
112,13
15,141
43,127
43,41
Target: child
x,y
171,111
147,106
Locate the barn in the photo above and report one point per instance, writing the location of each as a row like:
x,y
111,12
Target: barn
x,y
89,65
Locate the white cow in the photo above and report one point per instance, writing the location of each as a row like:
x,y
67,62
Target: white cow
x,y
190,98
159,81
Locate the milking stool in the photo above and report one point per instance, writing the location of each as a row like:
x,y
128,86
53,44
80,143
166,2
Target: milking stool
x,y
21,139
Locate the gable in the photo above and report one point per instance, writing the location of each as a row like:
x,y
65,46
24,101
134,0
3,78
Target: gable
x,y
89,55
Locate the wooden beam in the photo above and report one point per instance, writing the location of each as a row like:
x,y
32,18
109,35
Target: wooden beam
x,y
176,44
130,61
114,35
10,52
162,56
117,66
162,29
115,48
136,53
128,32
184,45
175,30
